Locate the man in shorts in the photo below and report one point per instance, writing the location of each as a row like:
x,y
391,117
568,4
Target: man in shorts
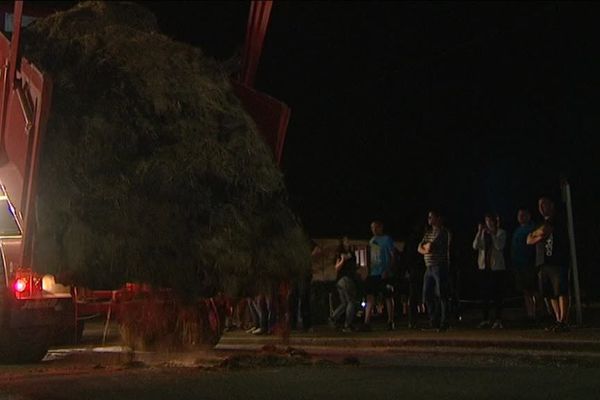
x,y
552,259
523,263
379,281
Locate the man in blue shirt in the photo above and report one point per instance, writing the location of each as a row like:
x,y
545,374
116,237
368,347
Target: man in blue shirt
x,y
381,249
523,265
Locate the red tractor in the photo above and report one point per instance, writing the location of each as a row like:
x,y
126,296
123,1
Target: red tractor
x,y
35,310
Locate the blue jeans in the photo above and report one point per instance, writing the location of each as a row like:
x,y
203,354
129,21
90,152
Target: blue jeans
x,y
435,294
254,310
347,291
263,306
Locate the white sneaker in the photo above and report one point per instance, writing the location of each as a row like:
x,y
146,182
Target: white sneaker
x,y
497,324
251,330
258,331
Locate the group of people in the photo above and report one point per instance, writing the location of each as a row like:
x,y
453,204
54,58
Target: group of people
x,y
539,261
276,308
538,258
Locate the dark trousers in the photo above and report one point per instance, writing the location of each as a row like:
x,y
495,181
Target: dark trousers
x,y
415,293
300,315
492,285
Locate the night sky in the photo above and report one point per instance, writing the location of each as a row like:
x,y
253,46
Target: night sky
x,y
399,107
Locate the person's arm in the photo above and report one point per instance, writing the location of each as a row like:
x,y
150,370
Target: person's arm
x,y
340,263
533,238
478,243
424,247
539,234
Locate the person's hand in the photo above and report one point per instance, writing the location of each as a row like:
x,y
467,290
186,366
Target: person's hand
x,y
427,247
479,228
540,232
546,230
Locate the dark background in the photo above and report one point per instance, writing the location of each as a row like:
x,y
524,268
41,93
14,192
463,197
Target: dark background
x,y
399,107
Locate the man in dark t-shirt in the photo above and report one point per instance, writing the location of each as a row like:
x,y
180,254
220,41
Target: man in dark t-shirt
x,y
552,258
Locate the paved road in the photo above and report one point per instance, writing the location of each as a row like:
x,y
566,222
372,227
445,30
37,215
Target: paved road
x,y
382,375
462,363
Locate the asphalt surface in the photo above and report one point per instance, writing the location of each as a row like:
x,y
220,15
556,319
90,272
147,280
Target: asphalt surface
x,y
278,374
520,361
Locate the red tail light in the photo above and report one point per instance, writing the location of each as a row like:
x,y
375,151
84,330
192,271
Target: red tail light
x,y
20,285
27,284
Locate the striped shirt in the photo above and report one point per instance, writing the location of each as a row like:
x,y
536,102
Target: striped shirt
x,y
439,239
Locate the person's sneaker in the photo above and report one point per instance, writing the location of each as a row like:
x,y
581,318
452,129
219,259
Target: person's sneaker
x,y
484,324
347,329
391,326
250,330
258,331
552,328
497,324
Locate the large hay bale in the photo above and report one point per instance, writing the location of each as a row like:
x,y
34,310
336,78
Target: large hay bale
x,y
150,169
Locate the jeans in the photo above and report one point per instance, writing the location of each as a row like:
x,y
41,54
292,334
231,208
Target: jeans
x,y
435,296
254,312
263,306
347,291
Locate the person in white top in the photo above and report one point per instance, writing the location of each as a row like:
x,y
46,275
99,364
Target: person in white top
x,y
489,243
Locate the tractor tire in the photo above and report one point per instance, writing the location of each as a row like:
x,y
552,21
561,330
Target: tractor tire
x,y
24,346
